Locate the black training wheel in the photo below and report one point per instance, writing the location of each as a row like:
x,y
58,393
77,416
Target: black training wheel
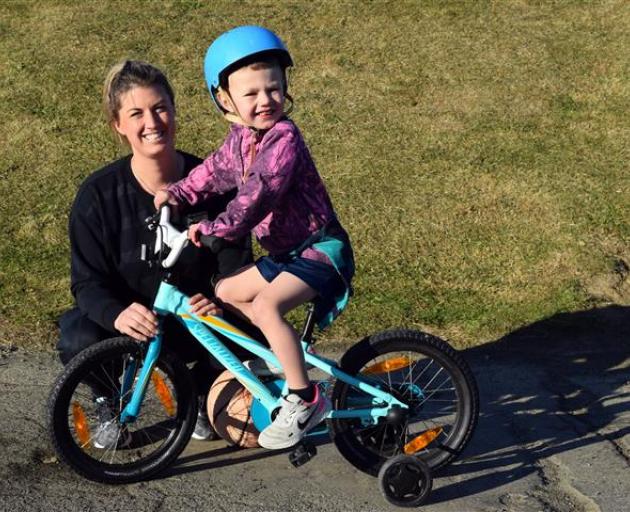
x,y
405,481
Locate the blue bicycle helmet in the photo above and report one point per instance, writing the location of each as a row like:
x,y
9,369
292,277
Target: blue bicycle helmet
x,y
235,45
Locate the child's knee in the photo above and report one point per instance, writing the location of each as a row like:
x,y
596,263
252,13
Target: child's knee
x,y
225,291
264,310
221,291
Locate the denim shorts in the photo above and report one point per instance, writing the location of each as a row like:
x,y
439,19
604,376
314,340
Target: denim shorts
x,y
322,277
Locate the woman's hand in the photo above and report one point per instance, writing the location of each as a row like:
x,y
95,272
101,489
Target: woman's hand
x,y
194,234
200,305
163,197
138,322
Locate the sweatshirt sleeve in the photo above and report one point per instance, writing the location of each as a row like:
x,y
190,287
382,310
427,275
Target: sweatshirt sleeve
x,y
90,272
213,176
269,177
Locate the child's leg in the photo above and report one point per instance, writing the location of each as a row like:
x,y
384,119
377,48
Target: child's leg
x,y
268,308
297,414
239,289
265,305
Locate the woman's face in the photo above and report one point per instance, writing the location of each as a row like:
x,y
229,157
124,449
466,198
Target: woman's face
x,y
147,120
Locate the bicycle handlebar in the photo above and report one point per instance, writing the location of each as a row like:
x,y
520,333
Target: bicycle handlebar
x,y
175,240
167,234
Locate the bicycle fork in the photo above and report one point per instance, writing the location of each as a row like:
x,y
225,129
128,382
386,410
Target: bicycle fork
x,y
131,409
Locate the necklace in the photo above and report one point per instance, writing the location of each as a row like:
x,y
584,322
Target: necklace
x,y
152,189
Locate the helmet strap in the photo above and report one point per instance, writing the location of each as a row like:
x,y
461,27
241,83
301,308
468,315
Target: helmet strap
x,y
288,109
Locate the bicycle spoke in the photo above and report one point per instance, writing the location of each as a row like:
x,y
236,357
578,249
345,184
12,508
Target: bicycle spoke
x,y
149,426
434,384
124,372
428,396
389,380
424,370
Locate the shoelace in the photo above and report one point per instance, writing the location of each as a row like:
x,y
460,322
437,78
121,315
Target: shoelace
x,y
286,417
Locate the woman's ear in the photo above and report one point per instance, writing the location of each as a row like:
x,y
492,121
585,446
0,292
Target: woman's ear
x,y
116,126
119,134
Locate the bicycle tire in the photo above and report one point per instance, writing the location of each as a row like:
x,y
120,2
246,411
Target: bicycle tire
x,y
153,445
367,447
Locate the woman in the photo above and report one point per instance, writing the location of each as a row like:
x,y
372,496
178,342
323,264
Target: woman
x,y
112,287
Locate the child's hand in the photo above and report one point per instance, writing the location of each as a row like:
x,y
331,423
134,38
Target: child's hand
x,y
163,197
202,306
194,234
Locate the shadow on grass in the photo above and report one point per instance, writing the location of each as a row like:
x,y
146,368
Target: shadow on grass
x,y
545,389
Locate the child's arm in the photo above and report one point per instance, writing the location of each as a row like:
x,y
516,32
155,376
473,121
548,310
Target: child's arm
x,y
211,177
269,178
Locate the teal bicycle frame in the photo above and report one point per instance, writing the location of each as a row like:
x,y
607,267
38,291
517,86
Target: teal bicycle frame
x,y
170,300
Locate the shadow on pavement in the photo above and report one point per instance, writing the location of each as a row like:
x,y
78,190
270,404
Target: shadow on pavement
x,y
547,388
214,458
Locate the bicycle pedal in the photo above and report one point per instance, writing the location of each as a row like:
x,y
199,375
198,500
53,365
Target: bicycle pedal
x,y
302,453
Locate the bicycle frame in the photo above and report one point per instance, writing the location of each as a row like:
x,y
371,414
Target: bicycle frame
x,y
395,366
170,300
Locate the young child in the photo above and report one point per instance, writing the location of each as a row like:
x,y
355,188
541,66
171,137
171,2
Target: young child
x,y
282,200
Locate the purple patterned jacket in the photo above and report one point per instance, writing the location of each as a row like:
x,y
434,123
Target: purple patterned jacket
x,y
281,198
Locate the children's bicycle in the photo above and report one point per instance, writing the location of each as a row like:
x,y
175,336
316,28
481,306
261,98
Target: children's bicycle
x,y
405,403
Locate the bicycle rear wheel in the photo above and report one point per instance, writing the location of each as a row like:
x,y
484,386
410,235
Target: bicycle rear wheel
x,y
138,449
425,373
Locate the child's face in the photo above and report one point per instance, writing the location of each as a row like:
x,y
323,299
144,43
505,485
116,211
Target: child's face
x,y
258,95
147,119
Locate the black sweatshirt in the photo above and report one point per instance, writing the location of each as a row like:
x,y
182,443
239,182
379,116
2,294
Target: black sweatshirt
x,y
107,230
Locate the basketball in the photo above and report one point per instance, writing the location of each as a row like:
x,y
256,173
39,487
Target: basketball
x,y
229,405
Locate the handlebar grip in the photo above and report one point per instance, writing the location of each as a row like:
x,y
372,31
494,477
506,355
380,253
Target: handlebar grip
x,y
214,243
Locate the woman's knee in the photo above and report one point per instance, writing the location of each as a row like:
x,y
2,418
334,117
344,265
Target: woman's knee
x,y
78,332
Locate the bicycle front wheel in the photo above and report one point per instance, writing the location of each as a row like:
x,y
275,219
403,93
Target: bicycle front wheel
x,y
87,399
427,375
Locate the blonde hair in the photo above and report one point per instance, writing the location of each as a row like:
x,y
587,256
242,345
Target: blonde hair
x,y
123,77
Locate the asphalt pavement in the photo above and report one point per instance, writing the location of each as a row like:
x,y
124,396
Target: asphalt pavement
x,y
553,435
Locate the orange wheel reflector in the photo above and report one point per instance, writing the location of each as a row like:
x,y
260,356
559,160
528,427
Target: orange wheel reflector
x,y
80,423
163,393
422,441
389,365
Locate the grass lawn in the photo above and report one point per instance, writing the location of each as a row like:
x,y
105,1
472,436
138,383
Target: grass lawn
x,y
476,151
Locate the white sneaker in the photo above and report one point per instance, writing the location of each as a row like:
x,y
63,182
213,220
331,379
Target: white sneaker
x,y
109,434
203,430
295,418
